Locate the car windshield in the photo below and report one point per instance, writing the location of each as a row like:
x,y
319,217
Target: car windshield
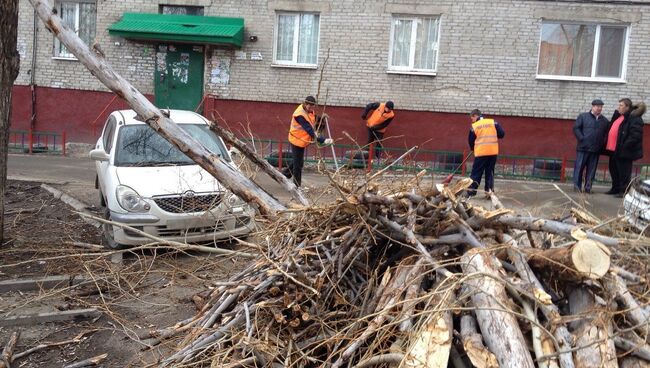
x,y
140,145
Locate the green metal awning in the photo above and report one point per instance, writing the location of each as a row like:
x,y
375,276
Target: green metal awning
x,y
180,28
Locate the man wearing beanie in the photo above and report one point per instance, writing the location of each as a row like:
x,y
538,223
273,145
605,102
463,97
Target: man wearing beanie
x,y
378,116
301,134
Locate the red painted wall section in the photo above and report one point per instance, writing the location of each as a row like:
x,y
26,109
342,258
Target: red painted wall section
x,y
430,130
81,114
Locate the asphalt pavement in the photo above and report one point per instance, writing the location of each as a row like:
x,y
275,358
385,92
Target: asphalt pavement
x,y
76,177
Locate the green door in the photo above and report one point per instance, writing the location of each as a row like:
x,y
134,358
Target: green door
x,y
179,77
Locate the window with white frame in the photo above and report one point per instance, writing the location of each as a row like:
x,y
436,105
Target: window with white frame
x,y
414,44
586,51
80,16
296,39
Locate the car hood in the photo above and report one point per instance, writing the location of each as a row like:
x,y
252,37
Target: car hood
x,y
167,180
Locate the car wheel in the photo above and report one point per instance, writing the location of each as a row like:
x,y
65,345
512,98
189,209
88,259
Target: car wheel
x,y
108,239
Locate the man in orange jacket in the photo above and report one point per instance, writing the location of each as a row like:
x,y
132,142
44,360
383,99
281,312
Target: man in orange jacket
x,y
483,139
378,116
301,134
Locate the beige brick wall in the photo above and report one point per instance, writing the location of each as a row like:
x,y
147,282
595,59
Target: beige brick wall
x,y
487,58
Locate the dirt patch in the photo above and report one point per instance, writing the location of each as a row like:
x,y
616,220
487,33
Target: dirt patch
x,y
147,290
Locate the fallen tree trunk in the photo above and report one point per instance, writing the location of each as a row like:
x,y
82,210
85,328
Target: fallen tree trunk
x,y
498,326
287,184
585,259
227,175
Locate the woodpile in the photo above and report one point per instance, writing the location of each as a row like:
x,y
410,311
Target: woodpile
x,y
422,278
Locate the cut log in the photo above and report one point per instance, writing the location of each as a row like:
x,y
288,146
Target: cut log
x,y
478,354
585,259
227,175
597,349
432,345
499,327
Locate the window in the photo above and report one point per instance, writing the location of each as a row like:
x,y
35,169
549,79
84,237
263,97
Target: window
x,y
296,39
181,10
79,16
109,132
582,52
414,44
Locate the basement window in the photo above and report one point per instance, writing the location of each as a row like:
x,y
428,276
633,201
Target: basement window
x,y
81,17
181,10
583,52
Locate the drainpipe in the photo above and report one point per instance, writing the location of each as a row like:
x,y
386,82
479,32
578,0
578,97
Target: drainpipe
x,y
32,79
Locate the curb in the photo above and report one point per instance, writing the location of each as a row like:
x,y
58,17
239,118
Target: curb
x,y
72,202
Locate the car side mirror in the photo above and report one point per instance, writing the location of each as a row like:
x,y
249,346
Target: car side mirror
x,y
99,155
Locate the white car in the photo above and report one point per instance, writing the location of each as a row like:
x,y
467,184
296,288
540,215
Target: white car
x,y
637,204
148,184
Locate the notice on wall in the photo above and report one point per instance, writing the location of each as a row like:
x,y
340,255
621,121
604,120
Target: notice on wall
x,y
240,55
256,55
220,73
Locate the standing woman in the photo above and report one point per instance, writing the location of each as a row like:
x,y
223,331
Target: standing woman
x,y
624,144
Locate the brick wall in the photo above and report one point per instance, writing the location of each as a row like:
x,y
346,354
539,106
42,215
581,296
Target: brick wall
x,y
487,58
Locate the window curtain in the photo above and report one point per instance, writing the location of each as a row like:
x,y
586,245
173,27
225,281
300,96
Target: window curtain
x,y
284,47
69,17
87,22
308,39
610,52
567,49
401,42
425,44
87,18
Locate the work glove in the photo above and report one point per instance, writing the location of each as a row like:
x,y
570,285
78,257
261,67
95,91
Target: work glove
x,y
328,141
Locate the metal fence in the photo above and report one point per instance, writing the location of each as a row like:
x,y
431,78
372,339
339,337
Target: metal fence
x,y
278,153
29,141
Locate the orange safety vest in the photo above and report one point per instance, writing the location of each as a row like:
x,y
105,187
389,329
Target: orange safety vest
x,y
297,135
487,142
379,116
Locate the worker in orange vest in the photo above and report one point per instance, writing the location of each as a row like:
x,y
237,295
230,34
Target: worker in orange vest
x,y
302,132
378,116
483,139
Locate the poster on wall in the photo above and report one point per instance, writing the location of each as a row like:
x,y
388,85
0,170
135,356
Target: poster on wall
x,y
220,73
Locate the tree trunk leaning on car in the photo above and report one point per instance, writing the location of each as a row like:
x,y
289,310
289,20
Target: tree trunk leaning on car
x,y
150,114
9,63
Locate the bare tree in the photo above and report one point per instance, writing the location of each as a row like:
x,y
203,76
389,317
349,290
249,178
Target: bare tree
x,y
9,63
150,114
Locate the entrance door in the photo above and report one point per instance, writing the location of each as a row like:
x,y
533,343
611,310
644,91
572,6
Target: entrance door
x,y
178,82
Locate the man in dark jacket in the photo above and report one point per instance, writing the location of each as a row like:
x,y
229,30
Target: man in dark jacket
x,y
624,144
590,129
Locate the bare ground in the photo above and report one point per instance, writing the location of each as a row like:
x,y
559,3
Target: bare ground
x,y
147,290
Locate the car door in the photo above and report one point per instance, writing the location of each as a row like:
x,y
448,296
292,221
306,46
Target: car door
x,y
106,143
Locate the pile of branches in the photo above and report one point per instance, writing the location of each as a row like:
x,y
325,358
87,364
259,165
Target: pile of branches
x,y
423,278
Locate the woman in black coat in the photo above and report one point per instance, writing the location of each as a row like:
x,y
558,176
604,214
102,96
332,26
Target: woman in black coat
x,y
629,147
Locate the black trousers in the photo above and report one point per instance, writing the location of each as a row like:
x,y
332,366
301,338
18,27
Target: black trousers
x,y
586,165
481,165
298,161
620,170
376,137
